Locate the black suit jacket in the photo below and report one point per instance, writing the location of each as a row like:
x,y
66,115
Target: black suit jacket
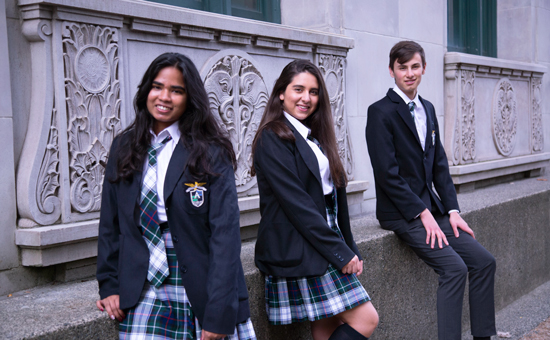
x,y
294,238
206,240
403,172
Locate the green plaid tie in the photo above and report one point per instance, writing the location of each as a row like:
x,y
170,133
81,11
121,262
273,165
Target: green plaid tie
x,y
412,105
158,262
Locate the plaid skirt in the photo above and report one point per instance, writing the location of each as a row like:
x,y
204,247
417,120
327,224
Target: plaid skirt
x,y
165,312
297,299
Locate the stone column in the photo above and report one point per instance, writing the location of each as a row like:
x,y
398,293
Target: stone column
x,y
8,250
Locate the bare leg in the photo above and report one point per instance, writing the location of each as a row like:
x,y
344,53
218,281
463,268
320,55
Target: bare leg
x,y
322,329
362,318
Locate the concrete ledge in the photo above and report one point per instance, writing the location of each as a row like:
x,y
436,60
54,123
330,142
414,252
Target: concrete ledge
x,y
512,220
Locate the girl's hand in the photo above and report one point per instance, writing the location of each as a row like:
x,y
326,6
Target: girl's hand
x,y
355,266
111,305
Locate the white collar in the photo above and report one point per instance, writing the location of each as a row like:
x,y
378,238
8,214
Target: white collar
x,y
406,98
173,130
302,129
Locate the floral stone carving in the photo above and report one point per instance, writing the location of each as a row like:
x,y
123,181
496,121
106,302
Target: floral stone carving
x,y
237,94
332,67
536,117
90,58
505,118
468,116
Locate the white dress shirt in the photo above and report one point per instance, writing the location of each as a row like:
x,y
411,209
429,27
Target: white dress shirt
x,y
420,119
163,159
324,165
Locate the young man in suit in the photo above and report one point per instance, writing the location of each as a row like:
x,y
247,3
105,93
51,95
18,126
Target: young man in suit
x,y
409,161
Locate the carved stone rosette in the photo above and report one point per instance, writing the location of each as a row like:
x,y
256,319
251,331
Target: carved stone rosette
x,y
537,136
468,117
332,67
504,117
237,94
90,60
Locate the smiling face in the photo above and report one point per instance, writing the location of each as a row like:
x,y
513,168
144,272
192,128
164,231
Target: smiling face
x,y
167,99
408,75
301,96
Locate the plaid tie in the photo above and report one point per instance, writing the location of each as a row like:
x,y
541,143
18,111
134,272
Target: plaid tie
x,y
158,262
412,105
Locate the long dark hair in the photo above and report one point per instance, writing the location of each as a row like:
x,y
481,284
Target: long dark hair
x,y
320,121
197,125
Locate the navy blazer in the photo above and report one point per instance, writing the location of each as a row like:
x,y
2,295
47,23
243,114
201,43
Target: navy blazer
x,y
294,238
206,240
405,175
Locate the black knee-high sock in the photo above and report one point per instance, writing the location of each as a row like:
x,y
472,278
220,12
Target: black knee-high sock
x,y
346,332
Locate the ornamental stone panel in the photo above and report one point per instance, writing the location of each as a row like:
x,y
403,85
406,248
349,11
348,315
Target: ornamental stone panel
x,y
493,119
86,64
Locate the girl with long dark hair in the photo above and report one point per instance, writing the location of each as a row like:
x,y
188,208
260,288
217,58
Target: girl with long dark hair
x,y
168,262
305,247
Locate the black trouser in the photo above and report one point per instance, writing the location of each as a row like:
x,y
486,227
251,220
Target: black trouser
x,y
464,257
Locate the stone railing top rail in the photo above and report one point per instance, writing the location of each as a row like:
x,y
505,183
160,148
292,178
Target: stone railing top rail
x,y
491,65
167,15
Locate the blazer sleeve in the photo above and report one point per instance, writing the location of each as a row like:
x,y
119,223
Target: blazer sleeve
x,y
275,159
380,143
442,180
343,221
108,239
225,248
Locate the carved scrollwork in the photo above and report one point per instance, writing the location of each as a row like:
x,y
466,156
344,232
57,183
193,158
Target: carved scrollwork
x,y
90,57
504,117
468,116
332,67
237,94
537,135
48,178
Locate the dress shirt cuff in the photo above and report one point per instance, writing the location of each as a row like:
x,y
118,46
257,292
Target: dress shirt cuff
x,y
453,210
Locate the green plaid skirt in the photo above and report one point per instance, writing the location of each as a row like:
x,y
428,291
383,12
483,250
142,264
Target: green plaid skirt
x,y
299,299
165,313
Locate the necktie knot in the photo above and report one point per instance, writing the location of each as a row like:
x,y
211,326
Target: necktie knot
x,y
315,141
152,151
412,105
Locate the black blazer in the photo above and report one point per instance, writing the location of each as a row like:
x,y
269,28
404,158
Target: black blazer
x,y
206,240
403,172
294,238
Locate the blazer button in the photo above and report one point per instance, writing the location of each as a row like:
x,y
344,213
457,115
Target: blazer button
x,y
183,269
175,238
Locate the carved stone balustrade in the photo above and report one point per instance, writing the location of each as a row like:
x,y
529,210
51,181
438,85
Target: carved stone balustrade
x,y
493,119
87,58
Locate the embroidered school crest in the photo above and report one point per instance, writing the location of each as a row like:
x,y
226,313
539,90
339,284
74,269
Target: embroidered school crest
x,y
196,193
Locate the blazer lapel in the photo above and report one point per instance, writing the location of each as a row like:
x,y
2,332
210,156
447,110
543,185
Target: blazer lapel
x,y
430,126
403,111
175,169
306,153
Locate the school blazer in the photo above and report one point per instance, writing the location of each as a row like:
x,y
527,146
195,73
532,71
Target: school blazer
x,y
294,238
206,240
405,175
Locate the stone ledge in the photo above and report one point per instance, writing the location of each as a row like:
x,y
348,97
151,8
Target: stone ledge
x,y
167,14
511,220
464,175
49,245
488,64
